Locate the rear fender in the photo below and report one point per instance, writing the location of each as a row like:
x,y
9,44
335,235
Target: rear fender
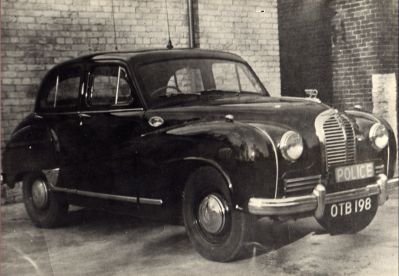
x,y
31,149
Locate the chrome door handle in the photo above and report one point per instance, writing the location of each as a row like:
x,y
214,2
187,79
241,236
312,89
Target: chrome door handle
x,y
84,115
37,116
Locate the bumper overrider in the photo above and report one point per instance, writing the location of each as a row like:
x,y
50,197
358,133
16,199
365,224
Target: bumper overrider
x,y
317,201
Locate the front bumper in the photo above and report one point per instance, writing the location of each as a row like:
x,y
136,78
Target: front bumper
x,y
317,201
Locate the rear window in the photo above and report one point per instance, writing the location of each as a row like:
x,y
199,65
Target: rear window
x,y
60,90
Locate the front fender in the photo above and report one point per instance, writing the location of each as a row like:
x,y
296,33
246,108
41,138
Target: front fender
x,y
244,154
364,122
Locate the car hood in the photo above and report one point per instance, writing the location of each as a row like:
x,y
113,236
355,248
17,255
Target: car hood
x,y
284,113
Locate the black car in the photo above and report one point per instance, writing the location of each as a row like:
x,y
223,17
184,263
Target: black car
x,y
193,135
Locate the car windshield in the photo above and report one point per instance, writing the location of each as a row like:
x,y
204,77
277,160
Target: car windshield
x,y
173,82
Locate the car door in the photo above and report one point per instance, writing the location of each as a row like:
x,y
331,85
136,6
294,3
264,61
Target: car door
x,y
112,121
57,110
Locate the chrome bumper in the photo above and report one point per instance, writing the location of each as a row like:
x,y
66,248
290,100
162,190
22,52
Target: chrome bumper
x,y
318,199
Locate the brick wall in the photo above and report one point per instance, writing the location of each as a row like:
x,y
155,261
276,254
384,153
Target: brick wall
x,y
248,28
337,46
36,34
367,44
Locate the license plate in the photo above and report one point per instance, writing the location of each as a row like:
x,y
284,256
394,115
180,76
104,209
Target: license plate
x,y
354,172
347,208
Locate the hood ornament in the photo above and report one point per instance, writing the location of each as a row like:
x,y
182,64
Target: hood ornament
x,y
312,95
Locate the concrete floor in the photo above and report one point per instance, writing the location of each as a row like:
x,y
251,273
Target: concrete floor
x,y
97,243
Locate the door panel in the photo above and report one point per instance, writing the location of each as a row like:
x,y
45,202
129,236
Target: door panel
x,y
57,107
111,140
111,122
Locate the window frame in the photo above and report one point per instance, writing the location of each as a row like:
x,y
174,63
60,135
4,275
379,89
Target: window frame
x,y
44,90
86,105
151,104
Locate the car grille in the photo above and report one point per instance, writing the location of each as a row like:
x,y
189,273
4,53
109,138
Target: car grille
x,y
339,141
379,169
301,185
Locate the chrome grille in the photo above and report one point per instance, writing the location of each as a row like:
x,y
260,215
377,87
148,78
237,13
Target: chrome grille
x,y
301,185
339,138
379,169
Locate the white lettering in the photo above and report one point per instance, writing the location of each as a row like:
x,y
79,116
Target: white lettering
x,y
363,172
341,208
348,208
354,172
334,210
367,206
370,170
340,174
361,204
347,173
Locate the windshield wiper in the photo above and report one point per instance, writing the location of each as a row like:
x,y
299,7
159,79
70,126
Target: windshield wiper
x,y
179,95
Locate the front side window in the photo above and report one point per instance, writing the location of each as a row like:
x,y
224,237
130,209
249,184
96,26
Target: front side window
x,y
109,86
61,89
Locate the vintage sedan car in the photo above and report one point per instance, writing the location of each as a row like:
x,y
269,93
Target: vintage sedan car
x,y
194,135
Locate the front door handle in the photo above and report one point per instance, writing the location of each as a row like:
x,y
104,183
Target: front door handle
x,y
84,115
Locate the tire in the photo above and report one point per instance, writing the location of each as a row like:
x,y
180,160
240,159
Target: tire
x,y
351,223
225,239
49,209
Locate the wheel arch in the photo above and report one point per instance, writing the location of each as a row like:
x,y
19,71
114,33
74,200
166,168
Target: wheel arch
x,y
185,167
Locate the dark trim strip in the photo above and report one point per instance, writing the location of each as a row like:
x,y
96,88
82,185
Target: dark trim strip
x,y
131,199
93,111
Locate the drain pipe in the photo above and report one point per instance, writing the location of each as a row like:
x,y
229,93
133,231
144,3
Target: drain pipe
x,y
190,24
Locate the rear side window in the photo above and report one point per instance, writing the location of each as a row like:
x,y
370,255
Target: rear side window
x,y
109,86
60,90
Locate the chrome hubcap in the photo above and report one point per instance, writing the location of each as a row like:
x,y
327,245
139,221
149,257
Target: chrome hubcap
x,y
212,214
39,194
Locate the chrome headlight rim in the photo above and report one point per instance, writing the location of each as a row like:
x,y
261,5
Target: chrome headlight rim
x,y
378,136
289,140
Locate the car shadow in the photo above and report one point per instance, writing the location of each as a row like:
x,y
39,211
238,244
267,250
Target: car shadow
x,y
269,235
272,235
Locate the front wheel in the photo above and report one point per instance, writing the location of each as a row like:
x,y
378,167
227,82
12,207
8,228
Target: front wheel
x,y
349,217
44,207
217,231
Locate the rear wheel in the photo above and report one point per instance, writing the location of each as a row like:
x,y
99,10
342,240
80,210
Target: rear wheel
x,y
217,231
44,207
349,223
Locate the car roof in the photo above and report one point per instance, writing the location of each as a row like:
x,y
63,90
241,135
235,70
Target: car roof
x,y
150,55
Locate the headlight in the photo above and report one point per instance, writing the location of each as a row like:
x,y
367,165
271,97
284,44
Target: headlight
x,y
378,136
291,145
